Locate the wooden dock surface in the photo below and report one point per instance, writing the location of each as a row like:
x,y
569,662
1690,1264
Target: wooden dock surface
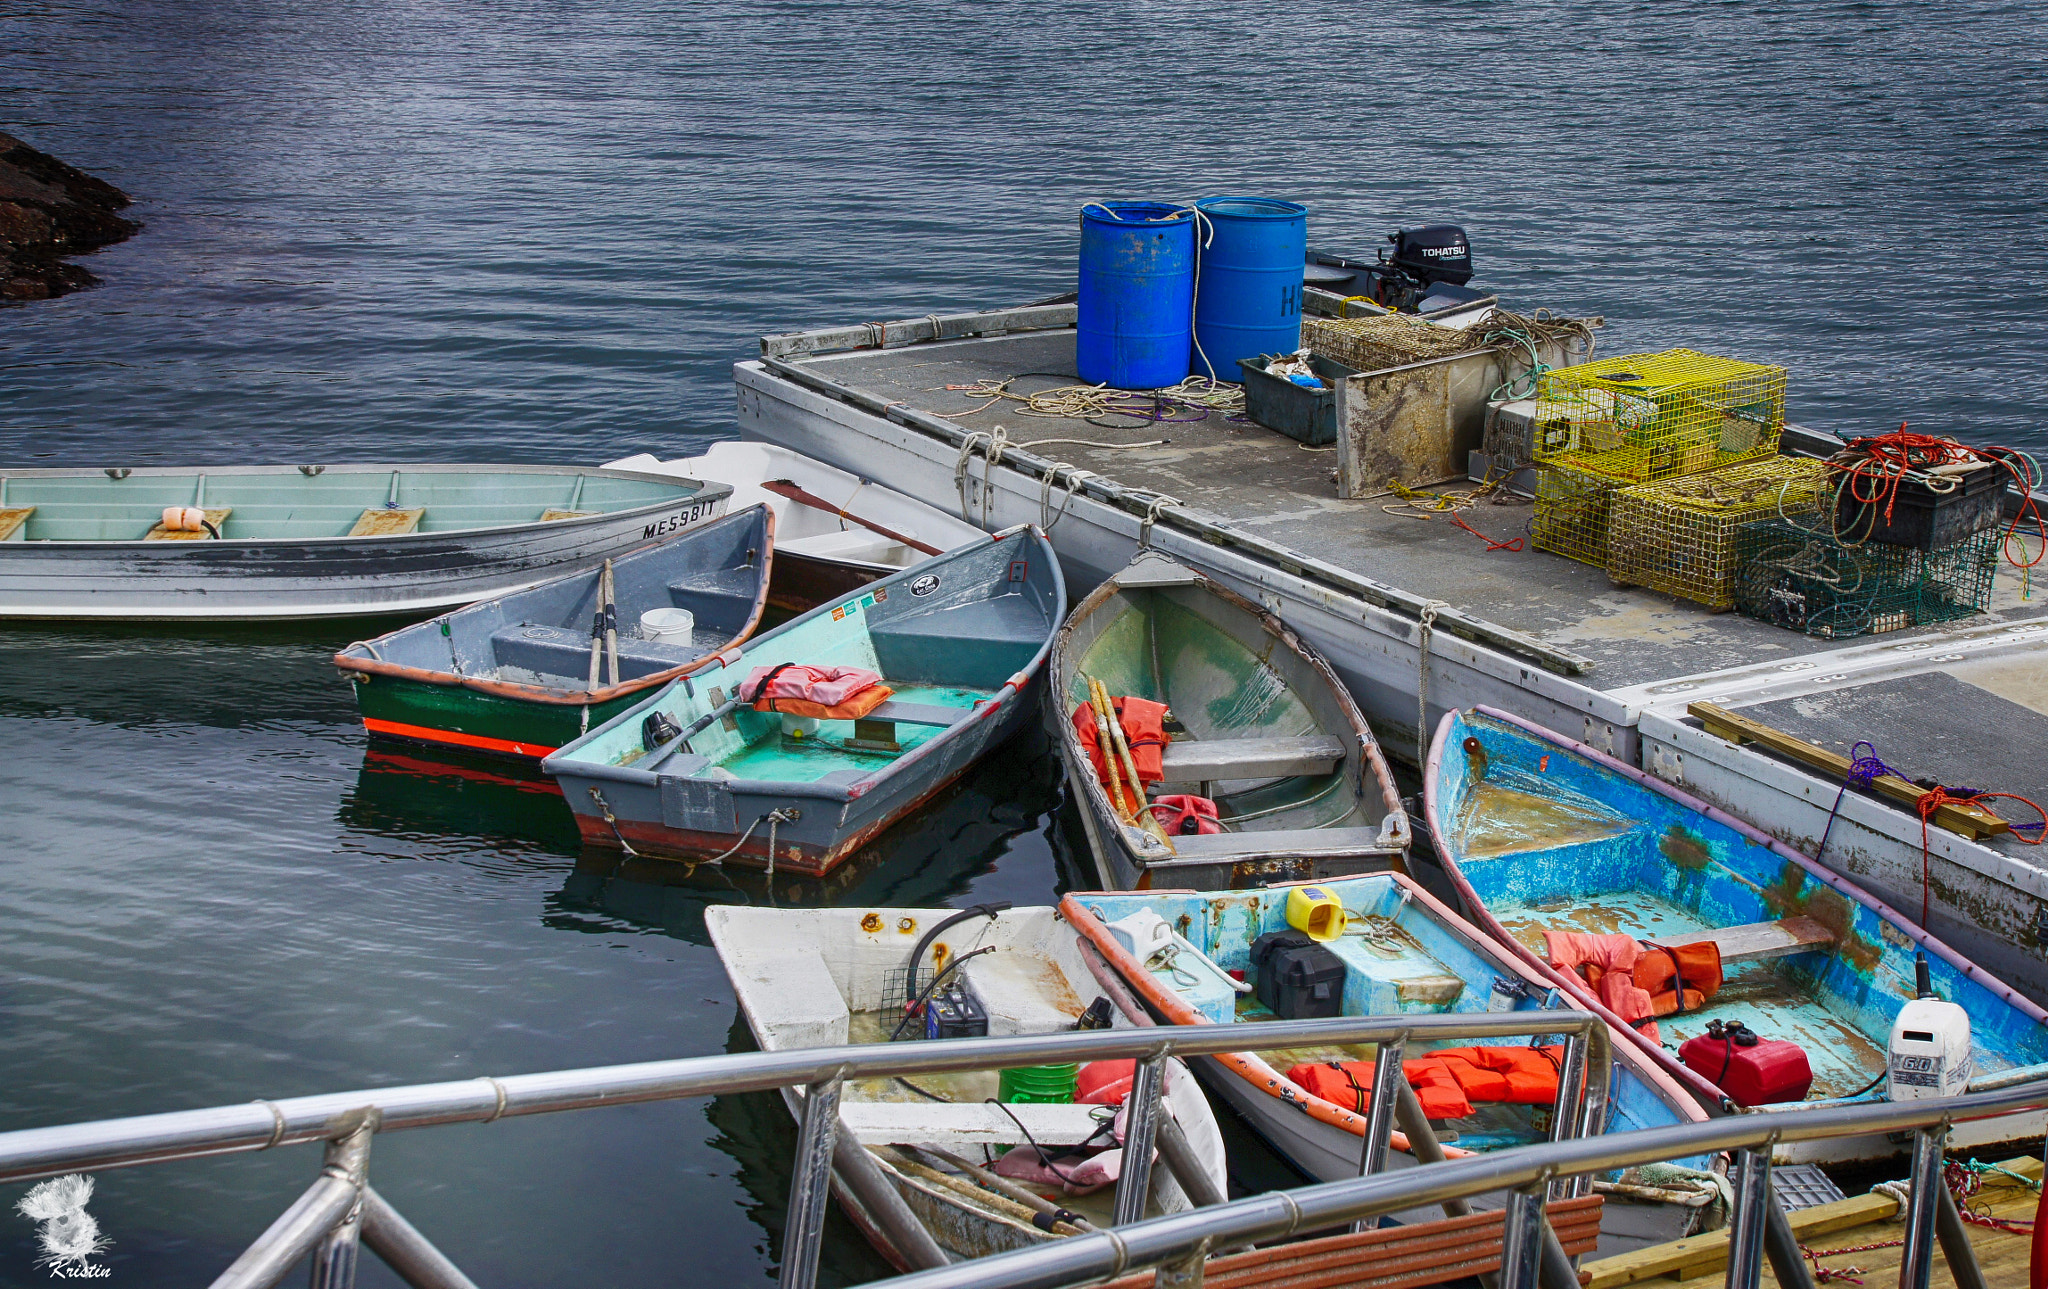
x,y
1853,1222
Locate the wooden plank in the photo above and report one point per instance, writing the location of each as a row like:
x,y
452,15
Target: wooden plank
x,y
1279,841
11,520
919,713
1756,941
215,515
1974,822
1205,760
1698,1254
380,522
551,514
1860,1220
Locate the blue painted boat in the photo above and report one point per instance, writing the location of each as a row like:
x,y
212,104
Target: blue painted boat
x,y
1408,953
960,639
1538,832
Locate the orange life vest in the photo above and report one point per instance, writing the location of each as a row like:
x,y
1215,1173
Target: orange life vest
x,y
1144,723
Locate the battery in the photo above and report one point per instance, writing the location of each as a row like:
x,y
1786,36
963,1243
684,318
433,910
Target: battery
x,y
954,1012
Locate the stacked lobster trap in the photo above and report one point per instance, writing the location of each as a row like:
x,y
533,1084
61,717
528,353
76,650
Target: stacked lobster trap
x,y
1802,577
1607,434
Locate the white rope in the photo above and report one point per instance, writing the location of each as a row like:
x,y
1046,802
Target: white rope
x,y
1075,477
996,441
1428,624
782,814
1160,501
1091,443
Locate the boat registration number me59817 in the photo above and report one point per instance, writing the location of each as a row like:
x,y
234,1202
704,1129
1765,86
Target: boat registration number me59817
x,y
680,519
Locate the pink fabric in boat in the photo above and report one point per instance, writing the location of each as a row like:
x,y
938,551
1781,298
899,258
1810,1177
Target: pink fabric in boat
x,y
825,686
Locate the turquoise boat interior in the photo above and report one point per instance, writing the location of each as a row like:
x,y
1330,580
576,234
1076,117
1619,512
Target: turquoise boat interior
x,y
942,652
1399,956
289,503
1549,839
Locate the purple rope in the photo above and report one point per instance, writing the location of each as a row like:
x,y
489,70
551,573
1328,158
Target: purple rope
x,y
1865,768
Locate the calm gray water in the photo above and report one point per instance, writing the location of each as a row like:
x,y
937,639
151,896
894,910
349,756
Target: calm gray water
x,y
542,231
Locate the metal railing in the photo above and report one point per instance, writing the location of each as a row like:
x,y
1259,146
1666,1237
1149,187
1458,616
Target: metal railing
x,y
1177,1245
340,1211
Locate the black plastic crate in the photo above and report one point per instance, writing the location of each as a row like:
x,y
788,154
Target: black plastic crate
x,y
1295,410
1921,518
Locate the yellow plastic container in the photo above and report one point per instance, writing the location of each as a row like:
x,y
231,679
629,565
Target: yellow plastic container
x,y
1314,910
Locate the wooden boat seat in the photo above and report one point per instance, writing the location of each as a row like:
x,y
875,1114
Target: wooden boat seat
x,y
13,519
966,1124
1205,760
1393,1257
215,515
1280,841
559,651
380,522
551,514
977,646
1756,941
702,593
919,713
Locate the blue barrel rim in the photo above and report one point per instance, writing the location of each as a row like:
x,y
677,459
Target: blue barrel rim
x,y
1111,212
1263,208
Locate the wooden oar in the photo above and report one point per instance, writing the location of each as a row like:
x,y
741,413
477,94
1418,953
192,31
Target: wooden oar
x,y
1144,818
1102,716
787,488
611,625
596,642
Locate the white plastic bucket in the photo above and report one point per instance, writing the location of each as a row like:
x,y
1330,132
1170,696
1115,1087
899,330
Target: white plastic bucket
x,y
668,626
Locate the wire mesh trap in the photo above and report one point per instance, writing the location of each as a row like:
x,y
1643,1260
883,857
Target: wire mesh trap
x,y
1679,535
1573,513
1641,417
1810,582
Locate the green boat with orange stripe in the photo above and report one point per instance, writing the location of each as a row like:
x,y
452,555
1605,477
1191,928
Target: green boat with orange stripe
x,y
514,676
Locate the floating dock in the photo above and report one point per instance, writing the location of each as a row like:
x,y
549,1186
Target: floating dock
x,y
1400,604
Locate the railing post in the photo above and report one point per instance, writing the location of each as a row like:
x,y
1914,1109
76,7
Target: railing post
x,y
408,1253
1521,1253
1187,1272
1565,1114
810,1185
347,1159
1746,1231
1379,1120
1141,1132
1927,1184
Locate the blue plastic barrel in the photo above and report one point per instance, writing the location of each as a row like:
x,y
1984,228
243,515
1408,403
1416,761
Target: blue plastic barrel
x,y
1137,294
1248,297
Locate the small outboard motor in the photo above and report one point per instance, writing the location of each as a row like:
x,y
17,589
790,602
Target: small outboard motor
x,y
1439,253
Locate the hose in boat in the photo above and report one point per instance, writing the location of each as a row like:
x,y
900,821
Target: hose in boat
x,y
988,910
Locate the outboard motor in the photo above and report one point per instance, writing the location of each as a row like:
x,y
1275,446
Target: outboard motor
x,y
1439,253
1427,271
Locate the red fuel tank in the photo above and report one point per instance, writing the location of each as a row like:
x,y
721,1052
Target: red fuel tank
x,y
1751,1070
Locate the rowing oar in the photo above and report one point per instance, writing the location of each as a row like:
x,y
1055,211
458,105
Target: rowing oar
x,y
596,643
787,488
611,625
1120,749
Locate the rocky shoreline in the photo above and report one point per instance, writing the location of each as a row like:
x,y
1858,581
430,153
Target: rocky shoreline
x,y
50,210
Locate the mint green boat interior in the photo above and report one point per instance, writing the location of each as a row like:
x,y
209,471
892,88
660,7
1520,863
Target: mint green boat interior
x,y
982,626
287,503
1244,691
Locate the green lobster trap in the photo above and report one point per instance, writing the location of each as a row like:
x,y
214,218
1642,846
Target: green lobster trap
x,y
1679,536
1641,417
1807,581
1573,511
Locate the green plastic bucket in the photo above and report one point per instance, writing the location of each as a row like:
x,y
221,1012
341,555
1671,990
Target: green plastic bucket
x,y
1038,1083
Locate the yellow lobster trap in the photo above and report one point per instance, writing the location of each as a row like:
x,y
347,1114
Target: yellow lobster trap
x,y
1641,417
1573,509
1681,536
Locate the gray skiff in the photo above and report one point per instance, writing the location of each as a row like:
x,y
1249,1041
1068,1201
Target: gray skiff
x,y
318,541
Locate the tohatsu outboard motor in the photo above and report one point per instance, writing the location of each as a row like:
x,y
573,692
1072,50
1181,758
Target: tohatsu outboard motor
x,y
1929,1053
1427,270
1439,253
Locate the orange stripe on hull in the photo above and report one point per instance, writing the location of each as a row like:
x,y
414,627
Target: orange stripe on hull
x,y
455,738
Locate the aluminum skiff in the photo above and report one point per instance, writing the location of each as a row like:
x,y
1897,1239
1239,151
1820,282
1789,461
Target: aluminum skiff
x,y
1537,831
1267,732
960,640
822,977
317,541
834,531
512,676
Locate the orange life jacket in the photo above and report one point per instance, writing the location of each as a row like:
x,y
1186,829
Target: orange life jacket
x,y
1144,723
1516,1075
1349,1084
